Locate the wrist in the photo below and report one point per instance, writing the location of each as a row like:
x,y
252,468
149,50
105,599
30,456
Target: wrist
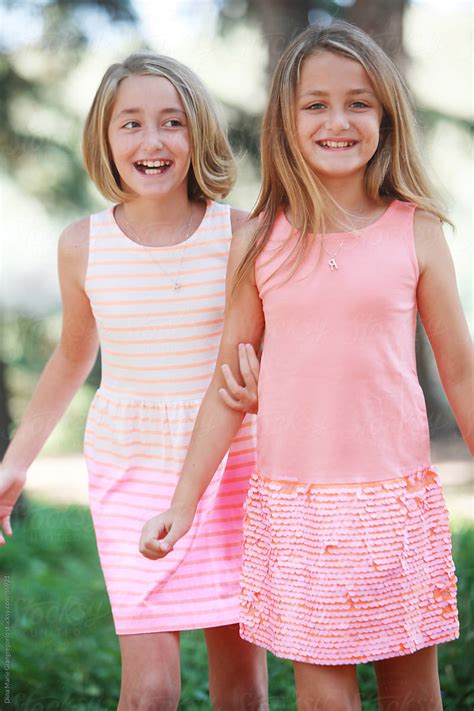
x,y
13,469
184,507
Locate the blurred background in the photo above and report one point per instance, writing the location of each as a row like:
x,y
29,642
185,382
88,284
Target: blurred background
x,y
52,57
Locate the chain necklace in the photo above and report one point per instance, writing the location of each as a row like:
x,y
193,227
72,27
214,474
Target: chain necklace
x,y
332,261
174,281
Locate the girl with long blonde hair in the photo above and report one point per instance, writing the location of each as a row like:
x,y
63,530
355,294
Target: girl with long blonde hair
x,y
347,551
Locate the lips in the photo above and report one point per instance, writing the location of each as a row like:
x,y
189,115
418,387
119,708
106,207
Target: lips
x,y
152,167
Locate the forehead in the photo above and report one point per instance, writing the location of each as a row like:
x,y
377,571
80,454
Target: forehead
x,y
330,72
146,91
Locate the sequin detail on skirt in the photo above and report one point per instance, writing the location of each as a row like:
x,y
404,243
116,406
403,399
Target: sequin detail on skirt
x,y
349,573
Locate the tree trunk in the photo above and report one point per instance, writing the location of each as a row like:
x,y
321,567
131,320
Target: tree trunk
x,y
281,21
5,421
383,21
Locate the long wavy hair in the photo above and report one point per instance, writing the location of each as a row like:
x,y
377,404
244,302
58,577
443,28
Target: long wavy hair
x,y
395,172
213,171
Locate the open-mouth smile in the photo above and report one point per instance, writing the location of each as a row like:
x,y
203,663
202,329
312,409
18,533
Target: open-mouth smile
x,y
336,145
152,167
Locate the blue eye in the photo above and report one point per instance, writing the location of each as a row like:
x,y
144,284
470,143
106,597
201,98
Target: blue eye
x,y
359,105
173,123
318,105
129,124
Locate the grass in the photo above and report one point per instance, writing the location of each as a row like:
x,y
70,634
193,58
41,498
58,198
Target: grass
x,y
64,652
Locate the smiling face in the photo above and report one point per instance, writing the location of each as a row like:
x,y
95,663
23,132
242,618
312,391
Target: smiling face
x,y
337,116
149,137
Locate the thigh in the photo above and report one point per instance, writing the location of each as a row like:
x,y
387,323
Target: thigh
x,y
237,670
326,688
150,672
410,682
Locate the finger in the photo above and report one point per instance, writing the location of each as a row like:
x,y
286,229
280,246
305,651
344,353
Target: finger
x,y
173,535
155,549
254,362
245,369
230,401
6,525
237,390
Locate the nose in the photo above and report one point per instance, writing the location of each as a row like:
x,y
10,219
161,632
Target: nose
x,y
152,139
337,120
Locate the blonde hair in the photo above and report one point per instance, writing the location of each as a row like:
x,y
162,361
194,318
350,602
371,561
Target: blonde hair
x,y
395,171
212,172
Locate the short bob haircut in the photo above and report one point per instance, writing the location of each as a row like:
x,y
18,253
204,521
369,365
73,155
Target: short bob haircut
x,y
212,172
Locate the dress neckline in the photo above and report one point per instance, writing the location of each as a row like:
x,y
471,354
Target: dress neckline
x,y
376,223
159,248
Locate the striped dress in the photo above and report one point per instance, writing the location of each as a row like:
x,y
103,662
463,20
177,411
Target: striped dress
x,y
159,346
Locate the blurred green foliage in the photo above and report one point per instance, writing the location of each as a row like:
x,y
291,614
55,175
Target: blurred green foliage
x,y
32,80
65,655
27,343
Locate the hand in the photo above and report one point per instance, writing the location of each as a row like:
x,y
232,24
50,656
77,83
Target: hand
x,y
161,532
11,484
238,397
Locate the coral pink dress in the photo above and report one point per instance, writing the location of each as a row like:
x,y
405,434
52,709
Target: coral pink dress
x,y
159,347
347,552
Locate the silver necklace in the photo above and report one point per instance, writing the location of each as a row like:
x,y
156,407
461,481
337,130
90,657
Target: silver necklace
x,y
175,282
332,261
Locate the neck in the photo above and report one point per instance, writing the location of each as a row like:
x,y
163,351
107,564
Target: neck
x,y
354,207
349,194
168,210
157,221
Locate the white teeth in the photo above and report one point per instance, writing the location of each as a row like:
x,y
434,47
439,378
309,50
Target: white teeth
x,y
337,144
154,164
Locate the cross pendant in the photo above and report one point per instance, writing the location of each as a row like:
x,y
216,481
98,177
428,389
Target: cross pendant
x,y
332,264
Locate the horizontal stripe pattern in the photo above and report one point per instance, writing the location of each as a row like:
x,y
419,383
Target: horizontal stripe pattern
x,y
349,573
159,348
131,290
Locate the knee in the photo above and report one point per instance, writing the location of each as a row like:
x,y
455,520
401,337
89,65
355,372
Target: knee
x,y
241,696
151,694
329,700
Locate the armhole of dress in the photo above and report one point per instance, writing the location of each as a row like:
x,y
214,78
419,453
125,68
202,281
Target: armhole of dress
x,y
229,221
410,238
90,244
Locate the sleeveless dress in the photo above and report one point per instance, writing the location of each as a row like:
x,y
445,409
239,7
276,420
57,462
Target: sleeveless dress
x,y
158,347
347,549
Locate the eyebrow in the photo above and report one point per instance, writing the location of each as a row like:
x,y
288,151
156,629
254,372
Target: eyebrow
x,y
170,110
354,92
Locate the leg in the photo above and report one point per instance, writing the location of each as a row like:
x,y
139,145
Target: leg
x,y
409,683
237,671
326,688
150,672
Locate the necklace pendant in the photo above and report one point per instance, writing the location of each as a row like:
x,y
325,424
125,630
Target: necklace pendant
x,y
176,286
332,264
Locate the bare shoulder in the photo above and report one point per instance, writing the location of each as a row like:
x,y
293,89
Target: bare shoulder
x,y
245,232
75,237
429,237
237,218
73,249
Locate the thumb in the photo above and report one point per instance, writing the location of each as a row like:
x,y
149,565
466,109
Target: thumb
x,y
176,531
6,525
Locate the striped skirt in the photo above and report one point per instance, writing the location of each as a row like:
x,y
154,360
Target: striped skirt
x,y
134,452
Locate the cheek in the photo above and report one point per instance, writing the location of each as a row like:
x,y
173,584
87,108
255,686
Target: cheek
x,y
371,131
182,144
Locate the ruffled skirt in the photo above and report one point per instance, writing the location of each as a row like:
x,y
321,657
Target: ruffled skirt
x,y
346,574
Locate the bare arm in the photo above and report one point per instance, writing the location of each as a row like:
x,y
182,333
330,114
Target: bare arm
x,y
242,397
443,319
65,371
216,424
